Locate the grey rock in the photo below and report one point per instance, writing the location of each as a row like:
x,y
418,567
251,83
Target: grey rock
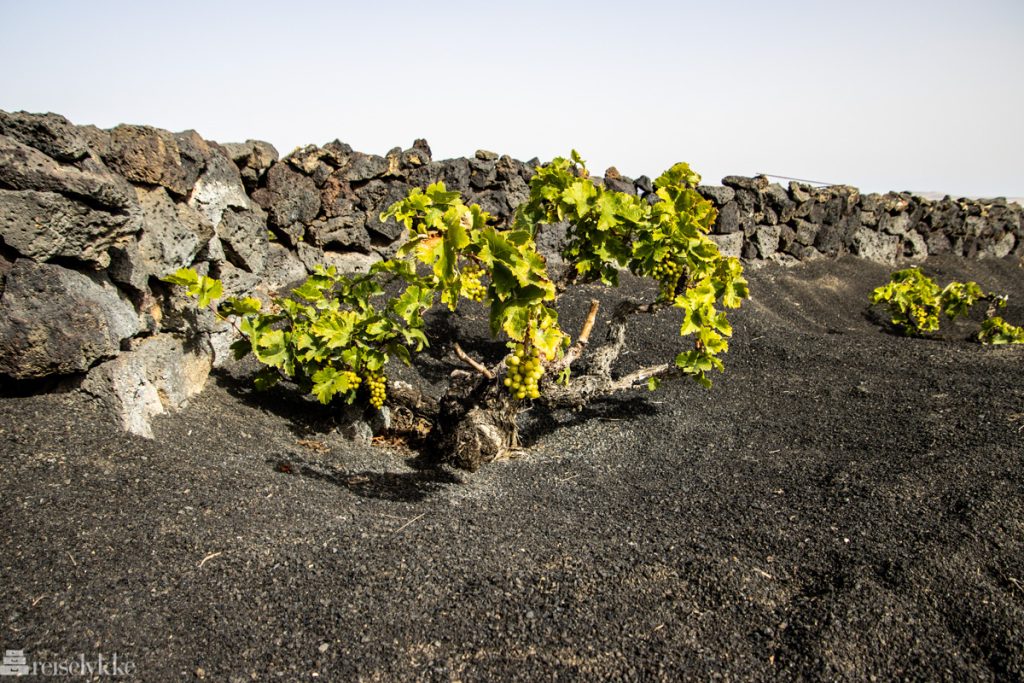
x,y
352,262
766,239
237,282
311,256
374,198
293,234
308,160
876,246
728,220
829,240
341,233
806,232
417,156
869,218
915,247
25,168
195,154
455,174
56,321
800,192
283,267
898,224
363,167
354,426
337,153
289,197
482,174
494,202
485,155
149,156
754,185
172,234
218,188
624,185
252,158
1004,246
46,225
51,134
938,243
644,185
779,202
730,245
394,160
551,240
787,240
157,374
425,175
720,195
244,237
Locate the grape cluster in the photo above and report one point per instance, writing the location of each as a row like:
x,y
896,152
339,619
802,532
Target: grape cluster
x,y
668,274
377,384
921,318
353,379
667,271
524,371
472,288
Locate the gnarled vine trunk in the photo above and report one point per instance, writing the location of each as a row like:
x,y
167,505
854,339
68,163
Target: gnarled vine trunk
x,y
475,421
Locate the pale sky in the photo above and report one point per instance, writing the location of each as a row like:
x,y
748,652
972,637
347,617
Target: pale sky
x,y
923,96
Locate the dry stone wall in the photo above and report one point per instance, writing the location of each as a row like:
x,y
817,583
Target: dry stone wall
x,y
90,220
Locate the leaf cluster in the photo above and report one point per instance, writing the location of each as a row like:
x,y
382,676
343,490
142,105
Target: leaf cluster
x,y
460,247
332,332
665,239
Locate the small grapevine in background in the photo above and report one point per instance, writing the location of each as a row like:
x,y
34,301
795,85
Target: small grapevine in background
x,y
915,303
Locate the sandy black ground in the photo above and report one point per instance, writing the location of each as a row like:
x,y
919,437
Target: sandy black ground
x,y
843,504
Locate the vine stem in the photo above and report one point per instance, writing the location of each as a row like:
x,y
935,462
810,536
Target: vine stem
x,y
475,364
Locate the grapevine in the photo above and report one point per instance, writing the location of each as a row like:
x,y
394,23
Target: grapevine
x,y
335,335
914,302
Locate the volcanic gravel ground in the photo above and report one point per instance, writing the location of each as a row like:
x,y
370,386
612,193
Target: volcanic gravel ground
x,y
843,504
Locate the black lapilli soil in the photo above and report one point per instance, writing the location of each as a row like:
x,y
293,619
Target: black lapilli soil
x,y
843,504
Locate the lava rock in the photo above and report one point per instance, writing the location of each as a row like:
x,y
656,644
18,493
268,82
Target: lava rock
x,y
728,220
341,233
149,156
719,195
155,375
218,188
252,158
51,134
56,321
729,245
244,238
876,246
47,225
24,168
289,197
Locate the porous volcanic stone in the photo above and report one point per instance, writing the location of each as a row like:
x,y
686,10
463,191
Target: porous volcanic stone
x,y
157,374
56,321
